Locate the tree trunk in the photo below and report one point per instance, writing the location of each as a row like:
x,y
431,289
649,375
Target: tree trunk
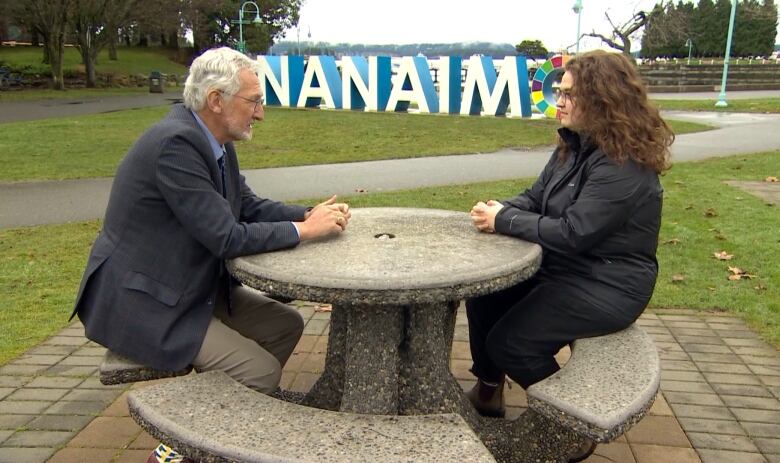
x,y
173,39
56,52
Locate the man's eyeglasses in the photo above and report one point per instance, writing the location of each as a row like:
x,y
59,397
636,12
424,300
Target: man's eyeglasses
x,y
257,102
561,93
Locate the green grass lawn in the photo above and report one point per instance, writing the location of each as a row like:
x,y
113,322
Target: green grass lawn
x,y
131,60
92,146
765,105
41,266
70,93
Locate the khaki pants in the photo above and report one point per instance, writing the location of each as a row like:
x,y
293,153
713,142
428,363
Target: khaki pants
x,y
253,343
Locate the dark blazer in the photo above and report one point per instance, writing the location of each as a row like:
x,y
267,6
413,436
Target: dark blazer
x,y
150,283
597,222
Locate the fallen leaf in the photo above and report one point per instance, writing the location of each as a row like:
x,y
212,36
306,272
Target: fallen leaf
x,y
770,179
738,198
360,190
323,308
735,270
760,287
672,241
735,277
677,278
723,255
710,212
711,288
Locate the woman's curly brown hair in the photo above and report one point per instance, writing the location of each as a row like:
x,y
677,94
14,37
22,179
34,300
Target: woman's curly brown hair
x,y
614,112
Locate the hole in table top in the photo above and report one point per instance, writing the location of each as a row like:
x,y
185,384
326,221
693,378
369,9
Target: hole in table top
x,y
384,236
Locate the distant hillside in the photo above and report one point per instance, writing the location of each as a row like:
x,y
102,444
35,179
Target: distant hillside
x,y
465,49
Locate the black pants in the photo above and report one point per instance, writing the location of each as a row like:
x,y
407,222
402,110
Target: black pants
x,y
519,330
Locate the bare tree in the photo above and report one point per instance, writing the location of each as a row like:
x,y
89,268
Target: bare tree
x,y
50,18
95,23
622,35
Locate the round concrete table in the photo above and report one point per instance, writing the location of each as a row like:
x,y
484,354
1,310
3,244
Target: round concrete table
x,y
395,278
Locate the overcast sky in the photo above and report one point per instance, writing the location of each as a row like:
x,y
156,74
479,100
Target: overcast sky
x,y
445,21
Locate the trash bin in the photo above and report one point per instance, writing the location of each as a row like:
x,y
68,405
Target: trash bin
x,y
156,82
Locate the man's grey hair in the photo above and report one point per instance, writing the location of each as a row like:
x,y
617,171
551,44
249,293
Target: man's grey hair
x,y
216,69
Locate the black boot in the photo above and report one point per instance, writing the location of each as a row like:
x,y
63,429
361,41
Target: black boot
x,y
488,399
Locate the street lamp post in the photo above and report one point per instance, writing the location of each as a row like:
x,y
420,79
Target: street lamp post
x,y
689,44
257,21
578,9
722,96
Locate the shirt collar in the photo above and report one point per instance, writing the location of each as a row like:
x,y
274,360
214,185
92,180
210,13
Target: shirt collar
x,y
215,146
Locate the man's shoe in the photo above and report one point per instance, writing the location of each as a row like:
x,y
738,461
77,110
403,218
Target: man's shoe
x,y
165,454
488,399
586,449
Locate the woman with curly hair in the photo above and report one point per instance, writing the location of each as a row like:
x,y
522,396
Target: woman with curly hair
x,y
596,212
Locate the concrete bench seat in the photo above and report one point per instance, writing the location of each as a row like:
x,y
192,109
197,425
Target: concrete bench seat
x,y
607,386
210,417
115,369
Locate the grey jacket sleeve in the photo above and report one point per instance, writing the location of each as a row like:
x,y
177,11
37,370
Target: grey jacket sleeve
x,y
605,202
186,185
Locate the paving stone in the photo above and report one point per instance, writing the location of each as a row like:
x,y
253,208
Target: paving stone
x,y
107,432
25,455
663,355
144,441
658,337
724,326
90,351
669,346
72,331
315,327
775,390
23,407
677,365
702,411
660,406
740,334
306,343
645,322
724,319
775,458
762,403
702,440
132,456
769,380
59,422
660,453
460,369
660,430
761,429
32,393
735,368
75,408
82,455
699,339
699,325
612,452
6,391
757,351
295,361
740,389
304,381
54,382
721,358
118,407
728,378
71,370
678,375
27,359
5,434
38,438
711,426
52,350
744,342
93,382
65,341
657,330
758,360
685,386
729,456
680,318
761,416
765,370
767,445
706,348
14,421
693,332
14,381
692,398
92,395
82,360
13,369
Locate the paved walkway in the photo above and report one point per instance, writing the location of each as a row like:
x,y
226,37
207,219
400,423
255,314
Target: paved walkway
x,y
36,203
719,400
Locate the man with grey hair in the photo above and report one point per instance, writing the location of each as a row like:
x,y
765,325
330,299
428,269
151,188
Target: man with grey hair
x,y
155,288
